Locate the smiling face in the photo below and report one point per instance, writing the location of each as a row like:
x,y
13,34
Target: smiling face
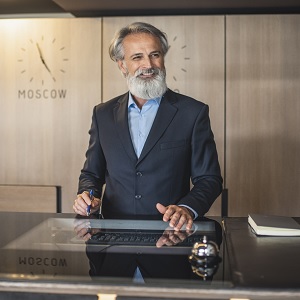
x,y
143,66
141,51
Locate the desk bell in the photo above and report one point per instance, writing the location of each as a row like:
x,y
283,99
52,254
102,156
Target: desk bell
x,y
205,258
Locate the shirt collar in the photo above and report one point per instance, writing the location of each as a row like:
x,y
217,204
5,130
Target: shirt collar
x,y
132,103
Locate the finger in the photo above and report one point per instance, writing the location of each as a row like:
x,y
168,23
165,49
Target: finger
x,y
175,239
169,215
175,218
82,232
184,219
86,197
96,203
82,225
181,221
161,208
182,235
160,242
81,201
164,241
164,238
189,226
79,206
79,211
166,211
87,237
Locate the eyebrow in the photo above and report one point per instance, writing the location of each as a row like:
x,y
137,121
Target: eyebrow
x,y
139,54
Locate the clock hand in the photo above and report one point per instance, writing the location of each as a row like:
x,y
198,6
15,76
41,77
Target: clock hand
x,y
43,60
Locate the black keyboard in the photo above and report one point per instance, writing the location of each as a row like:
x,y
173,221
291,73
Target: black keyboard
x,y
137,238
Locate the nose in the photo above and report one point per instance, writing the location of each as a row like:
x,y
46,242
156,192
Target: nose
x,y
147,63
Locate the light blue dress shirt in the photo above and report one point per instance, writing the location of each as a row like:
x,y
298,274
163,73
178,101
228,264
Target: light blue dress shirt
x,y
140,122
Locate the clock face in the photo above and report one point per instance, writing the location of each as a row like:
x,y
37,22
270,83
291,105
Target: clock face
x,y
43,61
177,63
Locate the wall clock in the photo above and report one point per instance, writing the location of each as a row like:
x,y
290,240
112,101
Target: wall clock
x,y
42,63
43,60
180,61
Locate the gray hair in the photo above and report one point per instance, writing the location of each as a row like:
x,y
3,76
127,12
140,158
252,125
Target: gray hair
x,y
116,50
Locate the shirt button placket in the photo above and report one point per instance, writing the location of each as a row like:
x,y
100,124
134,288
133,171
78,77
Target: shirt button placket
x,y
138,174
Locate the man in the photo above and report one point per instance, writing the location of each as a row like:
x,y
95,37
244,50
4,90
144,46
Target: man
x,y
147,144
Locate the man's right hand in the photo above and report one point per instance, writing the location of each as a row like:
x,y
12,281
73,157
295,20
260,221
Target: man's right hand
x,y
82,201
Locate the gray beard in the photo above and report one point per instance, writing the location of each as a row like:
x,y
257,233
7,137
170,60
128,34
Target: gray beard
x,y
148,88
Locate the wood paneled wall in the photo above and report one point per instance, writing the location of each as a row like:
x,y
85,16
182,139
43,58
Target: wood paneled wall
x,y
263,114
246,68
44,135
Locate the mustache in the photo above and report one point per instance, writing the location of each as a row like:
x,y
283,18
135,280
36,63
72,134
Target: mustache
x,y
149,71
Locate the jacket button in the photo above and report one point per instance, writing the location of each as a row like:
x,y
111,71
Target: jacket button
x,y
138,196
139,174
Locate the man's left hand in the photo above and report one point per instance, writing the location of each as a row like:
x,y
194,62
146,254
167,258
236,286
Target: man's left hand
x,y
172,237
177,216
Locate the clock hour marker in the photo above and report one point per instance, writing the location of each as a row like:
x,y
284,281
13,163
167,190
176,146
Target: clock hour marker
x,y
184,49
41,45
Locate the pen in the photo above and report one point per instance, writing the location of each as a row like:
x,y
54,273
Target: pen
x,y
88,209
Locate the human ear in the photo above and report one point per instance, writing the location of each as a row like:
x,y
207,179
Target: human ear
x,y
122,67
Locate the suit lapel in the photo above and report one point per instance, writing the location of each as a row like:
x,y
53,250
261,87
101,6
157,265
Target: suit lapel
x,y
121,120
164,116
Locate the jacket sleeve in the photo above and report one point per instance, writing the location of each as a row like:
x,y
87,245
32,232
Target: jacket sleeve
x,y
205,169
93,173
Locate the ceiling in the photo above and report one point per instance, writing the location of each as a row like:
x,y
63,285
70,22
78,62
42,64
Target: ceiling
x,y
98,8
29,7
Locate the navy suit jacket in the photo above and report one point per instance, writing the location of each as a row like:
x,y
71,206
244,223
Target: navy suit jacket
x,y
179,147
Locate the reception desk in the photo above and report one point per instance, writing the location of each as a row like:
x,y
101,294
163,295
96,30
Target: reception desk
x,y
60,256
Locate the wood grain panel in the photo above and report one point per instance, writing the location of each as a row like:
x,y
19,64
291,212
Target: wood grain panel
x,y
44,136
263,114
28,198
194,63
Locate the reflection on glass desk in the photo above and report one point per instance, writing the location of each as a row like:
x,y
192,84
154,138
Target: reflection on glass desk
x,y
62,254
61,245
